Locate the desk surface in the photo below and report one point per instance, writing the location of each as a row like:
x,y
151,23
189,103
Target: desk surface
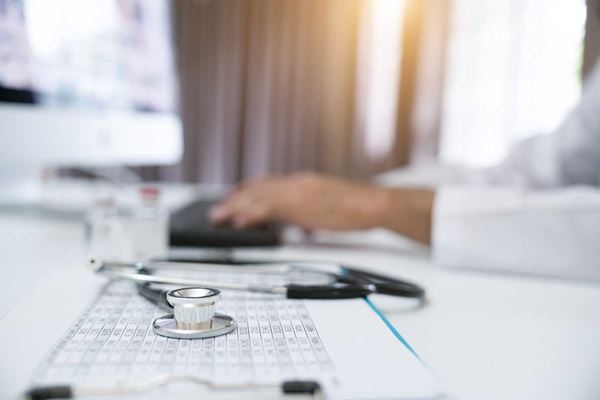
x,y
485,336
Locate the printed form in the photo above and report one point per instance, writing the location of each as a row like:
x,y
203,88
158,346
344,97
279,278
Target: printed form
x,y
345,345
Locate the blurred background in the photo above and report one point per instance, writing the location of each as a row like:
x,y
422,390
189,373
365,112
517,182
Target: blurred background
x,y
356,87
346,87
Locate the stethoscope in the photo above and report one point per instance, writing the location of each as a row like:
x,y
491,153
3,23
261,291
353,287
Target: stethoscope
x,y
194,302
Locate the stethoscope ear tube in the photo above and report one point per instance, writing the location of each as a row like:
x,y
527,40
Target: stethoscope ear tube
x,y
155,296
387,285
347,283
402,289
334,291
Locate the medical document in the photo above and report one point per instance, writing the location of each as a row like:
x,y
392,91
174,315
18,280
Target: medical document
x,y
343,344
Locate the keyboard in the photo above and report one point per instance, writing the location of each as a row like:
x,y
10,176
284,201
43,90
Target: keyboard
x,y
190,227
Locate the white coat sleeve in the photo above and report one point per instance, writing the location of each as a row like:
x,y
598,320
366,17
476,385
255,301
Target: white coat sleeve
x,y
537,213
551,232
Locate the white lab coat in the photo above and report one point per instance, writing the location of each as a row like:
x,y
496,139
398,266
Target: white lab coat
x,y
538,212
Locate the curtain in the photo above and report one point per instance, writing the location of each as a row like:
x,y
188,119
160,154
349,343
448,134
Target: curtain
x,y
276,86
266,87
591,50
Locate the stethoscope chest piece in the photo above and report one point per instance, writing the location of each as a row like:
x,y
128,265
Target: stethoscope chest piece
x,y
194,315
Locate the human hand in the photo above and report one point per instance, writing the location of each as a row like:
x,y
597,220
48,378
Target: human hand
x,y
313,201
308,200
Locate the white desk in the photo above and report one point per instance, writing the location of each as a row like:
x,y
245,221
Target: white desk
x,y
484,336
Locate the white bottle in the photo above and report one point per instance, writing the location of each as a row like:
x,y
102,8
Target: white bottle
x,y
147,226
104,231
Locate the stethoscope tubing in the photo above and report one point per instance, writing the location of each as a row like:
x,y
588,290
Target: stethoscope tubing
x,y
108,269
348,283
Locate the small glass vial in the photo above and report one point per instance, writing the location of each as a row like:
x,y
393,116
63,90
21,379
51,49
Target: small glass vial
x,y
147,226
104,231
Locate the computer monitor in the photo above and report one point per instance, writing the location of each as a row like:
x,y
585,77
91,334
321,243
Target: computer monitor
x,y
84,83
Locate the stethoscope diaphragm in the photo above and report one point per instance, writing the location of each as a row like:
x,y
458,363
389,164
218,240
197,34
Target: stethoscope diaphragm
x,y
220,324
194,315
